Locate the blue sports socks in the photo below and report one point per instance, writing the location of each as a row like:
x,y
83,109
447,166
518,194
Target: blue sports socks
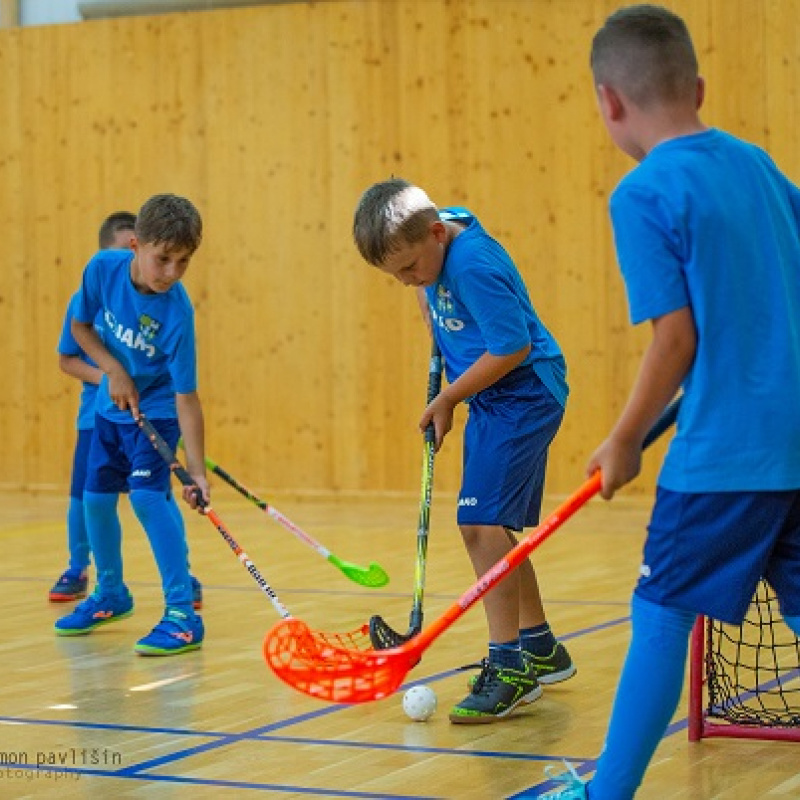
x,y
647,695
506,654
77,537
538,640
105,539
168,542
178,517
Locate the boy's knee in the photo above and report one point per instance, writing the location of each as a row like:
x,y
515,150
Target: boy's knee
x,y
146,504
470,534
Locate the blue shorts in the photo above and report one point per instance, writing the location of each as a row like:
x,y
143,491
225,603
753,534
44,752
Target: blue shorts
x,y
506,440
705,553
122,457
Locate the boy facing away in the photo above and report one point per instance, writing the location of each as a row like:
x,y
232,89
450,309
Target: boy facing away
x,y
506,365
147,356
708,240
116,233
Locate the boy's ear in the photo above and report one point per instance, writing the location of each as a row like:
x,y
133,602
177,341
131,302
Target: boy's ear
x,y
701,92
439,230
611,102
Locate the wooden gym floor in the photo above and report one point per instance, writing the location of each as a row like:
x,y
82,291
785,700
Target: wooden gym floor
x,y
102,722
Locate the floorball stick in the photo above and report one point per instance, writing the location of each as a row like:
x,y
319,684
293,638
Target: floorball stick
x,y
328,667
372,576
205,508
381,634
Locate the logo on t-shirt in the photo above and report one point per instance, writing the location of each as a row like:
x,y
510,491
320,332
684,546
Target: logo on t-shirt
x,y
444,300
448,323
149,327
126,336
444,306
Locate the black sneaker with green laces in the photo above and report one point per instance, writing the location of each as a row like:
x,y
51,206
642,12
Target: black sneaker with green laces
x,y
556,667
496,692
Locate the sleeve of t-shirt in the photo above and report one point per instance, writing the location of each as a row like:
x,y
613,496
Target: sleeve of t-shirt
x,y
491,301
794,200
650,253
67,346
89,296
183,362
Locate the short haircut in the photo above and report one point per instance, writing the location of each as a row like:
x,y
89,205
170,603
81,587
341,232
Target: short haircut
x,y
389,214
112,224
171,220
645,52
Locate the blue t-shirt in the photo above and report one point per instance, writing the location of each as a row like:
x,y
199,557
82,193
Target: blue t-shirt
x,y
151,335
479,304
67,346
707,221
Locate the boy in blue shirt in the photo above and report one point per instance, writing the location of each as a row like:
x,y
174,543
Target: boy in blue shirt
x,y
116,233
147,356
503,362
707,234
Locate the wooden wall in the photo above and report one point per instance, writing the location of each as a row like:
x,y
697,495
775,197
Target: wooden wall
x,y
274,120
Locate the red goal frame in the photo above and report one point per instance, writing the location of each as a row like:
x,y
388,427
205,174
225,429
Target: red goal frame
x,y
702,725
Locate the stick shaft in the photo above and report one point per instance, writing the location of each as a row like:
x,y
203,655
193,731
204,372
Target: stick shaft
x,y
186,479
527,545
268,509
426,492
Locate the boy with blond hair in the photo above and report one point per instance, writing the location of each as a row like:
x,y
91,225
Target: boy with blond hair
x,y
502,361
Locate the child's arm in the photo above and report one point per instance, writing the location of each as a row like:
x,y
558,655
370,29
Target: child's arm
x,y
121,387
190,419
664,366
488,369
78,368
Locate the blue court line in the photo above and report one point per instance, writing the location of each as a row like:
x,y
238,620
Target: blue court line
x,y
222,784
265,736
295,590
406,748
140,771
585,766
590,764
256,732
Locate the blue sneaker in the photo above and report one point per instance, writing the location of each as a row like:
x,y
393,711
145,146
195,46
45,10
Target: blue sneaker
x,y
197,594
574,787
93,612
176,633
70,586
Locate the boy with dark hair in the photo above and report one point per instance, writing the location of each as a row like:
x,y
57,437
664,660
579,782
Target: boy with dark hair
x,y
147,357
703,220
116,233
503,362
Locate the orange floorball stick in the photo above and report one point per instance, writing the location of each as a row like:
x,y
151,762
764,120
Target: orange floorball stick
x,y
343,668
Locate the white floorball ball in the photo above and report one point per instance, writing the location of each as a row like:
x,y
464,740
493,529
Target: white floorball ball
x,y
419,702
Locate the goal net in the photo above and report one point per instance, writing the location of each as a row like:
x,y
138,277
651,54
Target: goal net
x,y
745,680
